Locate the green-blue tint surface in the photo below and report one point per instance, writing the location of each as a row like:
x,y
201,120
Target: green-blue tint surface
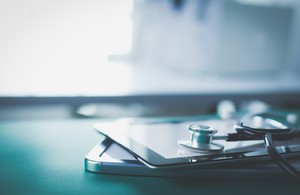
x,y
46,157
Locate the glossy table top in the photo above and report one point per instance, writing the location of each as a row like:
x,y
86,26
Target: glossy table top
x,y
47,157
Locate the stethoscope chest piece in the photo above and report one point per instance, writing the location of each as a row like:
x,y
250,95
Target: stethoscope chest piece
x,y
201,139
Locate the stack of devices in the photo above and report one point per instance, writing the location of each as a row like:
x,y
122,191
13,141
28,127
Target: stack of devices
x,y
175,149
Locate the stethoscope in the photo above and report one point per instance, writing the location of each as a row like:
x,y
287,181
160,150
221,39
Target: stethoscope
x,y
265,128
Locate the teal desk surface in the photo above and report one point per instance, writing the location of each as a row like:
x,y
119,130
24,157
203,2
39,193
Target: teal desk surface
x,y
47,157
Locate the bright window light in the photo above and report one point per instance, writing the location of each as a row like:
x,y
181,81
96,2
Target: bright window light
x,y
60,47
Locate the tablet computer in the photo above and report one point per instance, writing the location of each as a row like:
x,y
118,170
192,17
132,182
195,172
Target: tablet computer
x,y
156,144
107,157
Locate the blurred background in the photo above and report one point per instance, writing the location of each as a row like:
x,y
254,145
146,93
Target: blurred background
x,y
122,58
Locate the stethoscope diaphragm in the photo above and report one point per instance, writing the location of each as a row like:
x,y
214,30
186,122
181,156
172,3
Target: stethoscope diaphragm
x,y
201,139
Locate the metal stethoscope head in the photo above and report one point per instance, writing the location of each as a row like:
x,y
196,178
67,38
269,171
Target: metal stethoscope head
x,y
201,139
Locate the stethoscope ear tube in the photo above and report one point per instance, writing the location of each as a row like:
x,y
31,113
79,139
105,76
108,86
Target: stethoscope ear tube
x,y
277,157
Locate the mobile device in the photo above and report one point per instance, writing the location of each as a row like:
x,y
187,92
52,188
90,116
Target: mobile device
x,y
156,144
107,157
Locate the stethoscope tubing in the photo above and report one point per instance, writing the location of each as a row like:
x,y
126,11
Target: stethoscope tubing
x,y
276,157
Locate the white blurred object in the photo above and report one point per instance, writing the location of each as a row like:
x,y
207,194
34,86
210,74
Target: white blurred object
x,y
292,118
226,109
256,106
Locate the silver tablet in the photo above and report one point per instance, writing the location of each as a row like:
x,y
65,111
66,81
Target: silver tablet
x,y
156,144
107,157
